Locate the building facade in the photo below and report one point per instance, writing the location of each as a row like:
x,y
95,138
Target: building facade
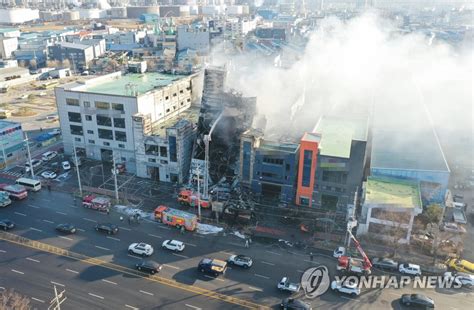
x,y
12,145
193,38
79,55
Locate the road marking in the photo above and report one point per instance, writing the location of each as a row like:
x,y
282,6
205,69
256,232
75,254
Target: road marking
x,y
349,298
134,256
237,244
179,255
102,248
18,213
81,230
259,275
156,236
171,266
3,251
33,260
132,307
48,221
145,292
75,207
72,271
274,253
190,244
39,300
56,283
110,282
214,278
116,239
163,227
35,229
62,213
96,296
16,271
255,289
89,220
191,306
66,238
125,228
32,206
267,263
228,253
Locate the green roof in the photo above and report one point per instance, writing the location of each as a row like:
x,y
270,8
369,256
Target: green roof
x,y
337,135
142,83
392,191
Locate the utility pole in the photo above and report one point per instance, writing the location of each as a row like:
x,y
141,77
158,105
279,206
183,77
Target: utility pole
x,y
4,157
114,172
77,167
57,300
29,155
199,191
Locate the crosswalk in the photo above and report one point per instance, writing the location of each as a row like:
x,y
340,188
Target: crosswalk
x,y
10,174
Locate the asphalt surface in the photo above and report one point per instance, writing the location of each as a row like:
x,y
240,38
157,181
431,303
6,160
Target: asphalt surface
x,y
37,216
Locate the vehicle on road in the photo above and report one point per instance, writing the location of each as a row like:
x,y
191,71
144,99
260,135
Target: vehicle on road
x,y
294,304
141,248
5,200
173,245
176,218
410,269
340,251
240,260
29,184
66,165
15,191
6,224
96,203
35,163
453,228
346,287
460,265
55,132
212,266
66,228
149,266
286,285
108,228
47,156
355,265
189,198
385,264
417,300
464,279
49,175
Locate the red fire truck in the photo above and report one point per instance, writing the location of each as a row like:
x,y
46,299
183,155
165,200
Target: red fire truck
x,y
189,198
96,203
176,218
355,265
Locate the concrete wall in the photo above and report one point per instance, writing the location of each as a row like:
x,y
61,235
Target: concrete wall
x,y
7,47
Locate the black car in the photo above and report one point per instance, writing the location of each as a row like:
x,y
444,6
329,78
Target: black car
x,y
385,263
149,266
417,300
212,266
111,229
294,304
66,228
6,224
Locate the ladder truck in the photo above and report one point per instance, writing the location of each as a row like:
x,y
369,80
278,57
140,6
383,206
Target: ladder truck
x,y
360,266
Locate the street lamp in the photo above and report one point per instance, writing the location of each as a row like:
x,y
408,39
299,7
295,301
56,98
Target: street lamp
x,y
29,155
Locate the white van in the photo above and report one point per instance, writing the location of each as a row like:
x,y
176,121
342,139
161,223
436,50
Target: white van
x,y
29,184
49,155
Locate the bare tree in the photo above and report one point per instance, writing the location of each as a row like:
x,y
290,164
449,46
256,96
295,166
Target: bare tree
x,y
52,63
66,63
33,64
11,300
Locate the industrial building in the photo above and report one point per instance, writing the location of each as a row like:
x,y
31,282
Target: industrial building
x,y
194,38
102,116
12,144
79,55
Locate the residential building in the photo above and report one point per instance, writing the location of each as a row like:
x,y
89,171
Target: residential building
x,y
79,55
389,207
196,38
12,145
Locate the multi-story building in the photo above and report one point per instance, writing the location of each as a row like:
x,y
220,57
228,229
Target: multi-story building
x,y
79,55
194,38
12,145
7,47
98,115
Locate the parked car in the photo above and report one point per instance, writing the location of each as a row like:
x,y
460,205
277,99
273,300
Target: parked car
x,y
240,260
464,279
346,287
294,304
66,228
47,156
410,269
110,229
417,300
141,248
35,163
212,266
340,251
286,285
149,266
55,132
66,165
49,175
453,227
385,263
173,245
6,224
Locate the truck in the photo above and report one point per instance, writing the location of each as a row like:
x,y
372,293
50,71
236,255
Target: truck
x,y
212,266
5,200
355,265
286,285
96,203
176,218
189,198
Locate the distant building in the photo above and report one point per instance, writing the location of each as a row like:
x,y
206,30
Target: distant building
x,y
194,38
79,55
7,47
12,145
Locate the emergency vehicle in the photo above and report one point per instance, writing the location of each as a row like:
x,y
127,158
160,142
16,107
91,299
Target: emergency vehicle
x,y
189,198
176,218
96,203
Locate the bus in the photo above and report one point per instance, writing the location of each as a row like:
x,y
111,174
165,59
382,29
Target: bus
x,y
15,191
29,184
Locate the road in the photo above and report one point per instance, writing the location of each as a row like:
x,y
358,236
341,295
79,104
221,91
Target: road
x,y
37,216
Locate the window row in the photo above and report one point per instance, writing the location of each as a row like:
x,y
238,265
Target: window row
x,y
103,133
98,104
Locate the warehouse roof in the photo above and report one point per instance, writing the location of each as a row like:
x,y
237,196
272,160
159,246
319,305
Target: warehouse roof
x,y
393,192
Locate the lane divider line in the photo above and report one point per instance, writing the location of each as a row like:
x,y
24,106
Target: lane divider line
x,y
32,259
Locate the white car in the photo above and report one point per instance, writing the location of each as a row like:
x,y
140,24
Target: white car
x,y
340,251
49,155
49,175
173,245
464,279
346,287
240,260
410,269
66,165
55,132
286,285
35,163
141,248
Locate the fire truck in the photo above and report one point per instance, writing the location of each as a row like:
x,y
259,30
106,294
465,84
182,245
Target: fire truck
x,y
189,198
355,265
96,203
176,218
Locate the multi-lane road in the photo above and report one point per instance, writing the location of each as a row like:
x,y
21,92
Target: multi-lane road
x,y
97,284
